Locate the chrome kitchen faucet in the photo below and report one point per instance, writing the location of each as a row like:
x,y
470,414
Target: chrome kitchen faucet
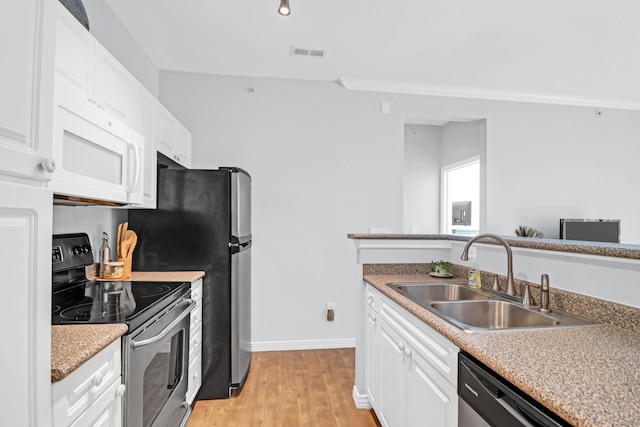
x,y
465,257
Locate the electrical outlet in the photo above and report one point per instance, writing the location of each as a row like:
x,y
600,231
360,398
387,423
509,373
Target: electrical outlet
x,y
331,311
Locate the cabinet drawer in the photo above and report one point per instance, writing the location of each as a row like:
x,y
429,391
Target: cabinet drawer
x,y
436,349
106,411
195,378
76,393
196,290
373,297
196,316
195,342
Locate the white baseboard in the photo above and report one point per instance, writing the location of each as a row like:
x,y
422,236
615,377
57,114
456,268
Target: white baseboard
x,y
361,400
303,344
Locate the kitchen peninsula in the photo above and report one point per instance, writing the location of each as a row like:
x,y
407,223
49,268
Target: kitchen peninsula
x,y
587,376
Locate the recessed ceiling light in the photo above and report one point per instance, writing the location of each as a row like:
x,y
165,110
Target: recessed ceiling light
x,y
284,9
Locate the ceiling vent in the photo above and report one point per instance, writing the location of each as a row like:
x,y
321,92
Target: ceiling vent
x,y
301,51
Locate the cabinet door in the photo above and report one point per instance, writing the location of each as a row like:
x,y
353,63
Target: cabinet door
x,y
429,396
105,411
114,86
372,362
166,130
183,143
27,37
25,231
391,376
75,53
147,127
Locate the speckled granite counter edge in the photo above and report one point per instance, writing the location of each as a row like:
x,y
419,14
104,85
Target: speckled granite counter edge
x,y
73,345
569,246
151,276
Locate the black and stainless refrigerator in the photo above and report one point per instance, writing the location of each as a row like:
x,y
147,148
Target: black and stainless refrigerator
x,y
203,222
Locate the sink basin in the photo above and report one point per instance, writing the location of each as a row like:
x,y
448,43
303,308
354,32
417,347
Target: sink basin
x,y
423,293
476,316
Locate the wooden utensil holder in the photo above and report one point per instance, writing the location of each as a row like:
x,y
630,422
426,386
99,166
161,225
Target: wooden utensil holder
x,y
126,271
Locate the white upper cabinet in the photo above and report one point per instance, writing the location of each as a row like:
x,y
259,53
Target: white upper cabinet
x,y
114,87
86,65
98,154
183,141
75,53
107,126
145,124
174,140
27,43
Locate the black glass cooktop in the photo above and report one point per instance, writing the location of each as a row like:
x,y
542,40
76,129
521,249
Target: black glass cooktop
x,y
132,303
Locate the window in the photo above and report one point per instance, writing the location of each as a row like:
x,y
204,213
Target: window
x,y
460,207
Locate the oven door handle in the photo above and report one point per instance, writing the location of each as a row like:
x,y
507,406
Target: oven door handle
x,y
186,416
140,344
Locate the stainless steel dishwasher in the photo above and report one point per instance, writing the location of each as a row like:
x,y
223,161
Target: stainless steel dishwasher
x,y
486,399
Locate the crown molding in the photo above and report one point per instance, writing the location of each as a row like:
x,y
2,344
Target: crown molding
x,y
477,93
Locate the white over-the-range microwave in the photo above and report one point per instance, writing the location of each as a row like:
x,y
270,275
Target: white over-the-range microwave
x,y
98,159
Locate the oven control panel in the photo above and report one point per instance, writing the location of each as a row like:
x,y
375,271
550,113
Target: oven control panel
x,y
71,251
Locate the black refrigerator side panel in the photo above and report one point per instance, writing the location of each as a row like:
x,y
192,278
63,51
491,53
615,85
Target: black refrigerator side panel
x,y
190,231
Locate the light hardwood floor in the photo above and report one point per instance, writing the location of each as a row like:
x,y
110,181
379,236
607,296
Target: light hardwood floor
x,y
309,388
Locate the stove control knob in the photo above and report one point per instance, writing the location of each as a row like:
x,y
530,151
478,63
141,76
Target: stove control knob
x,y
77,250
86,249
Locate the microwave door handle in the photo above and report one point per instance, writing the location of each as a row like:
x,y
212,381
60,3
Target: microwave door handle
x,y
132,187
140,344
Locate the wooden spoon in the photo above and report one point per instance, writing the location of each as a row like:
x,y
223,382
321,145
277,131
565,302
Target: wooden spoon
x,y
123,237
118,240
133,240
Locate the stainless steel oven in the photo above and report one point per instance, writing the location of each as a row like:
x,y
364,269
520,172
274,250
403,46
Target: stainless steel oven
x,y
156,359
155,350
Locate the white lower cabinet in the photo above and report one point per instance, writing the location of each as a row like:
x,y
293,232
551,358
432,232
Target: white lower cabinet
x,y
411,370
372,359
92,394
195,343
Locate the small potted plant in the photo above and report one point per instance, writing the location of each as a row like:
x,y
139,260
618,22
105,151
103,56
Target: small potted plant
x,y
441,269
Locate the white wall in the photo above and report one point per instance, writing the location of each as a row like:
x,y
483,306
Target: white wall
x,y
421,185
463,140
326,162
93,220
110,32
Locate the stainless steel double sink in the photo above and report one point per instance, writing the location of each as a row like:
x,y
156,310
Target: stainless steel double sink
x,y
479,311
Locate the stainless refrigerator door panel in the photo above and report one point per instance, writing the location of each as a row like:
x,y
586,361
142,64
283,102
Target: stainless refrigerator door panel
x,y
240,313
241,206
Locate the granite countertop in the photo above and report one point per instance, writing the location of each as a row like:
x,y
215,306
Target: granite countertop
x,y
72,345
166,276
588,376
615,250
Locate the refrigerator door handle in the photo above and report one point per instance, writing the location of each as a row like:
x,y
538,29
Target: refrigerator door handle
x,y
237,247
